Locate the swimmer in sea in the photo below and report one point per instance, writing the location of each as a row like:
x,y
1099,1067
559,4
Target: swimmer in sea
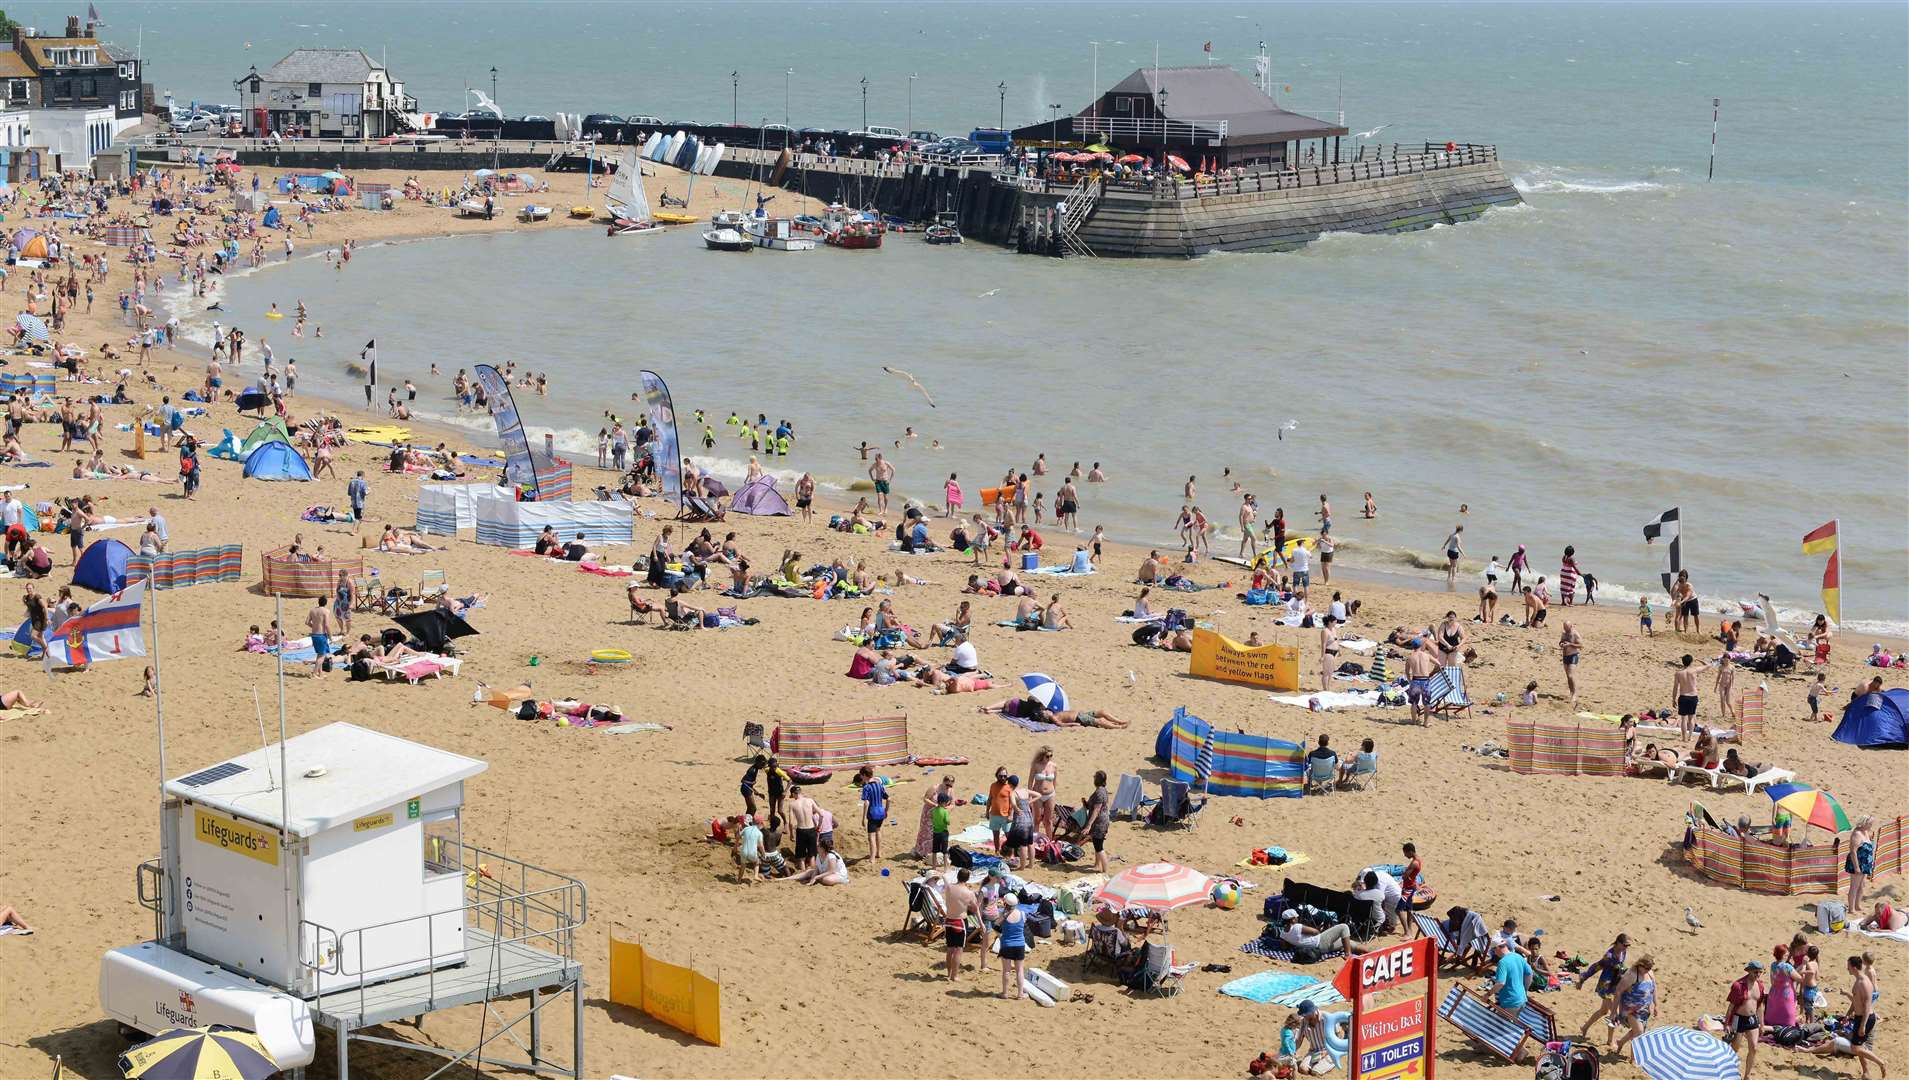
x,y
1371,508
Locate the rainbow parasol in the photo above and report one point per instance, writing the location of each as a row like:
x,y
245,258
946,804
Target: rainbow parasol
x,y
1810,805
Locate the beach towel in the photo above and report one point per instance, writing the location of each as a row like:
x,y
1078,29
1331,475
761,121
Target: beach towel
x,y
1264,986
1330,699
1293,858
1893,935
631,729
1060,571
1162,617
1358,645
1319,993
1036,726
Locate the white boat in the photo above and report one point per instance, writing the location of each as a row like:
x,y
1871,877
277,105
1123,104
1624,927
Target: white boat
x,y
472,208
629,206
650,144
777,233
533,212
727,219
727,240
715,159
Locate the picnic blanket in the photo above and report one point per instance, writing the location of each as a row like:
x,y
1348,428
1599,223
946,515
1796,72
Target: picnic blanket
x,y
1330,699
1893,935
1277,950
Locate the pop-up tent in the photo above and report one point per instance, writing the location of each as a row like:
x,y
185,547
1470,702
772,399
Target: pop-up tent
x,y
760,498
102,567
1873,721
276,461
270,220
272,430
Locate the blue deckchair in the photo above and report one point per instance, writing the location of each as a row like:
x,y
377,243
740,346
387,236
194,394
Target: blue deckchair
x,y
1471,1014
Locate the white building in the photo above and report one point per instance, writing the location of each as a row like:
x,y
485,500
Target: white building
x,y
335,93
74,136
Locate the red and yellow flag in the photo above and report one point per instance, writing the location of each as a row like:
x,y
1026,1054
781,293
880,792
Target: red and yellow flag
x,y
1815,542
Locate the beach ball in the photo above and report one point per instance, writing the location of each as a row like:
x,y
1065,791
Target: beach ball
x,y
1226,895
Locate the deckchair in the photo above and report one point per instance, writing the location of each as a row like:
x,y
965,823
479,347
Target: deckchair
x,y
1446,692
1470,1013
1127,795
1448,944
1176,808
431,585
1320,774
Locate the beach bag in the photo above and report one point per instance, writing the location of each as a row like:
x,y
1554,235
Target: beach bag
x,y
1307,954
527,710
1041,925
959,858
1831,916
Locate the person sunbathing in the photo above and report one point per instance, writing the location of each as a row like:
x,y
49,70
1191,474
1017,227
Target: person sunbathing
x,y
461,605
955,630
680,612
1030,709
11,921
402,541
1736,766
1884,919
1009,585
1027,612
950,682
17,699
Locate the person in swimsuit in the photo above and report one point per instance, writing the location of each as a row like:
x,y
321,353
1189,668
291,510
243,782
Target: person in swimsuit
x,y
1420,666
1743,1016
1328,651
1371,507
1520,562
957,901
803,816
1451,640
1684,689
1454,547
1570,649
1636,998
1041,784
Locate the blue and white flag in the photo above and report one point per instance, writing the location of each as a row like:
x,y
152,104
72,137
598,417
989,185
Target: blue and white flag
x,y
667,453
109,630
518,468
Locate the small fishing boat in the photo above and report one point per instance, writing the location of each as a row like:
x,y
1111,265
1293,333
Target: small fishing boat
x,y
778,234
471,208
851,230
533,212
945,230
728,240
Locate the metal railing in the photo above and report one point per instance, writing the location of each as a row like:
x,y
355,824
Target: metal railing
x,y
1116,128
1310,175
186,149
514,902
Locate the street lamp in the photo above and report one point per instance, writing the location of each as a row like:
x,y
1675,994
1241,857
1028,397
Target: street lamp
x,y
864,103
786,75
1003,124
911,104
735,96
1054,124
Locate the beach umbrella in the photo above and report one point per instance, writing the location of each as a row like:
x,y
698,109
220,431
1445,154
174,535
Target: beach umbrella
x,y
484,172
1160,886
1044,689
1177,162
190,1053
1131,159
434,627
1681,1053
1810,805
35,328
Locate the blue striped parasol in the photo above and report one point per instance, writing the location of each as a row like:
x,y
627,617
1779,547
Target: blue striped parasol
x,y
1044,689
35,328
1681,1053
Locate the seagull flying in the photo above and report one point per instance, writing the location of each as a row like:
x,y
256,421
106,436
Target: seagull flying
x,y
1691,920
1289,425
1374,131
990,292
912,381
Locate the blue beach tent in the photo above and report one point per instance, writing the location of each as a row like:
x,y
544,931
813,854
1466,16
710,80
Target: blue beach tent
x,y
276,461
1876,721
102,567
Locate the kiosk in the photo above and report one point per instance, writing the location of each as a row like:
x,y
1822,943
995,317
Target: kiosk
x,y
325,881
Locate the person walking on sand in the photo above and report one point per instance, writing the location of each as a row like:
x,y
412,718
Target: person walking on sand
x,y
1605,975
1454,547
323,626
1570,650
874,808
953,493
805,497
1724,687
1099,808
883,475
1249,513
1328,651
1743,1013
1683,687
1860,863
1420,665
957,901
1636,1001
357,490
1520,562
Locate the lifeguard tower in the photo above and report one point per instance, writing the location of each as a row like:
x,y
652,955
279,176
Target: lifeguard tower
x,y
324,882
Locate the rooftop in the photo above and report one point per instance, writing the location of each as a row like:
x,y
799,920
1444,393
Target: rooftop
x,y
14,66
40,45
360,771
1211,93
322,66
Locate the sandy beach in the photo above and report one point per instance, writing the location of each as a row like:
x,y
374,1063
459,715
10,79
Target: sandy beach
x,y
817,982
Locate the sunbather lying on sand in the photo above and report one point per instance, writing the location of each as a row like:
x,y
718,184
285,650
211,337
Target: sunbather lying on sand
x,y
17,699
402,541
1029,709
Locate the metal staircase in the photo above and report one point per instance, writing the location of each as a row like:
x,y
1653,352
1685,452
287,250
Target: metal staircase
x,y
1080,202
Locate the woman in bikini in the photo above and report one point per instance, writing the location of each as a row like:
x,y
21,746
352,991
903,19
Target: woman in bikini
x,y
1041,786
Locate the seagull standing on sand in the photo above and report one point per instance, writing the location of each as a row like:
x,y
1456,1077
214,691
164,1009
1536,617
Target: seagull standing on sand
x,y
912,381
1691,920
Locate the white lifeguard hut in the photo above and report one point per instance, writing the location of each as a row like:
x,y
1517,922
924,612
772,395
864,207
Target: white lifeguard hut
x,y
325,881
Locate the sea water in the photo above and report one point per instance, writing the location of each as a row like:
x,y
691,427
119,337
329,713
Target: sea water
x,y
1632,338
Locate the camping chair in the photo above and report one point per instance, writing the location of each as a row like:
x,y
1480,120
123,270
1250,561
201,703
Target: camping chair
x,y
370,597
752,737
1157,975
1127,795
1365,771
1321,772
1106,946
431,585
1176,808
1367,920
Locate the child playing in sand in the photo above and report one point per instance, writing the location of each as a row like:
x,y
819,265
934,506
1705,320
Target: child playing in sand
x,y
1817,691
1530,696
1643,618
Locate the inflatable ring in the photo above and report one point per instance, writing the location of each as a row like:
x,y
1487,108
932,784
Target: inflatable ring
x,y
609,656
1338,1034
809,774
274,314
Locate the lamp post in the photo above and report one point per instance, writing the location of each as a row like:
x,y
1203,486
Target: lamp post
x,y
911,104
1054,123
864,103
735,97
500,119
1003,122
1163,115
786,76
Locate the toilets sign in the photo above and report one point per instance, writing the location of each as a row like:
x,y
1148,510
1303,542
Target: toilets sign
x,y
1394,1039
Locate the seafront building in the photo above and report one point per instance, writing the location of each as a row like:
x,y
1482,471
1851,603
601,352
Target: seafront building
x,y
66,97
329,93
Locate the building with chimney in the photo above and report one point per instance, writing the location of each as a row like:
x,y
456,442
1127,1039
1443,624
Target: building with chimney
x,y
77,92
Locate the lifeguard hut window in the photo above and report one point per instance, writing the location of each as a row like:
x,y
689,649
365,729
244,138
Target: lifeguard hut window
x,y
442,837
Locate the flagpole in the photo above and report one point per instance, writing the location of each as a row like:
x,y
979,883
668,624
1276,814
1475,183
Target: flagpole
x,y
163,926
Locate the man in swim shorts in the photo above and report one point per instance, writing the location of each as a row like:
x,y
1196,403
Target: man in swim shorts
x,y
1420,665
1684,688
802,815
957,900
883,474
